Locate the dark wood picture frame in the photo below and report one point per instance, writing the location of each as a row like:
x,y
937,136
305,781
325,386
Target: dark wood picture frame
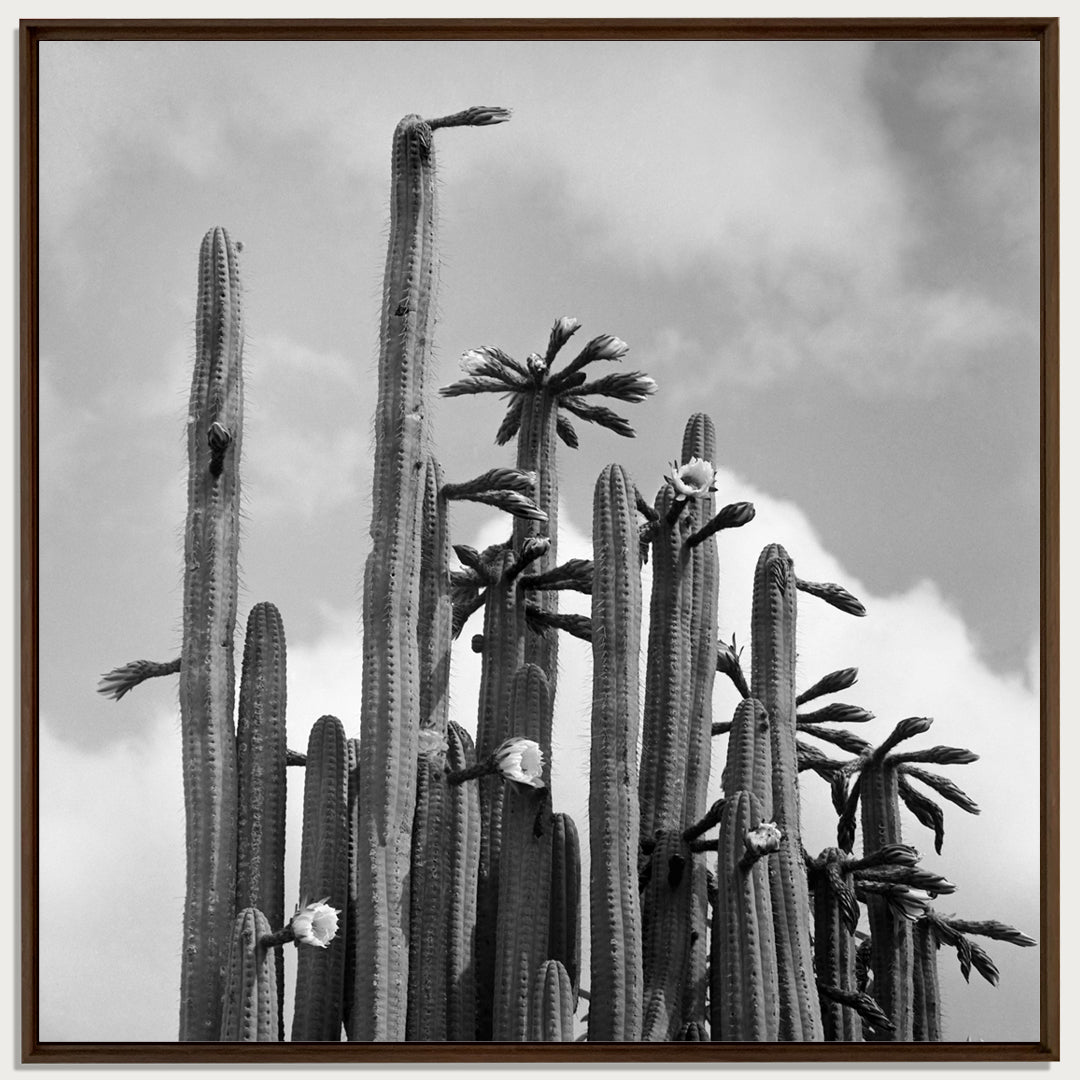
x,y
1043,30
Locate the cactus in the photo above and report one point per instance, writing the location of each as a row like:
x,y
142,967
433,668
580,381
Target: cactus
x,y
261,763
745,992
773,684
324,866
390,706
250,1012
564,923
524,868
552,1004
615,917
207,684
458,885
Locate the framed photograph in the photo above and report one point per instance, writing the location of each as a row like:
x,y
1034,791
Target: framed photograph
x,y
539,540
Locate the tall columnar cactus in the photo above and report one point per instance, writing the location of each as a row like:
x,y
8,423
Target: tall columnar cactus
x,y
677,723
324,868
773,684
260,755
207,682
250,1011
614,911
524,869
389,718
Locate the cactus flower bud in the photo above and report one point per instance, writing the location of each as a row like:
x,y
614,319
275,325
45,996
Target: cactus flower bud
x,y
696,478
520,760
608,347
315,924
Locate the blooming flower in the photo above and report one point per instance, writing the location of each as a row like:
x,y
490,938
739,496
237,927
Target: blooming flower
x,y
431,742
520,760
764,839
316,923
696,477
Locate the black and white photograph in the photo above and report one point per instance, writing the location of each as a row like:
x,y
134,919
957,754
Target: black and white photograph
x,y
539,541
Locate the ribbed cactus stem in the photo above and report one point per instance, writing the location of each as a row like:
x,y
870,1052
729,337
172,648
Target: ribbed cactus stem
x,y
524,869
324,871
773,684
504,635
427,905
250,1012
564,924
435,624
926,1003
892,956
464,843
431,853
615,915
703,578
749,754
207,682
667,906
665,726
834,943
390,705
261,762
536,453
745,996
552,1004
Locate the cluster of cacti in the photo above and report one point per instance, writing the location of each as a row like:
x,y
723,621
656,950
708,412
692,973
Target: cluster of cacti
x,y
440,891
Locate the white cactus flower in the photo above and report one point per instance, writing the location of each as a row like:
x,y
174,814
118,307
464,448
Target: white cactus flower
x,y
763,840
316,923
520,760
697,477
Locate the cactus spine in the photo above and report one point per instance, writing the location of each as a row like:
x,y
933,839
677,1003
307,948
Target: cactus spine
x,y
615,916
207,685
250,1011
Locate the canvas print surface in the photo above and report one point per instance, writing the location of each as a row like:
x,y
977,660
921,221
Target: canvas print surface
x,y
539,541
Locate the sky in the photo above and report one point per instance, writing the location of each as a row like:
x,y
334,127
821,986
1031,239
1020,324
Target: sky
x,y
830,247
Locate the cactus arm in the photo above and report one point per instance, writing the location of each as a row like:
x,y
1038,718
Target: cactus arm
x,y
615,916
524,873
552,1004
250,1012
122,680
564,924
261,763
324,872
207,687
435,622
745,1000
773,684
